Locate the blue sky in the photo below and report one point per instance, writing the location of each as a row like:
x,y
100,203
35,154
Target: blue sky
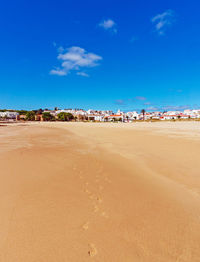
x,y
100,54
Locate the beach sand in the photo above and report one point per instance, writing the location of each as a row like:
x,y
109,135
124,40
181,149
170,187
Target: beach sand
x,y
100,192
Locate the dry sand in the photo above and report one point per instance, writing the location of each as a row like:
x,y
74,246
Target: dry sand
x,y
100,192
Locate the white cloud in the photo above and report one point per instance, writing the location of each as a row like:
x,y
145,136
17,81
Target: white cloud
x,y
60,49
120,102
162,21
82,74
109,24
58,72
75,58
180,107
152,108
140,98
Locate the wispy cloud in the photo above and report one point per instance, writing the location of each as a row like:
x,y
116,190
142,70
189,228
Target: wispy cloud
x,y
162,21
82,74
174,108
140,98
57,71
60,49
174,90
74,59
179,90
109,25
153,108
119,102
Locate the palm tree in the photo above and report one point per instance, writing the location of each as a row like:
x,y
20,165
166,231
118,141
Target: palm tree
x,y
143,112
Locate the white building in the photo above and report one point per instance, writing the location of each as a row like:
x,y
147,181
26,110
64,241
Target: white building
x,y
168,117
91,111
9,115
173,113
131,116
106,112
115,117
64,111
95,117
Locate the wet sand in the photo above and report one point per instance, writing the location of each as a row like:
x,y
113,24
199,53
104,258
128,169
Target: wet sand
x,y
100,192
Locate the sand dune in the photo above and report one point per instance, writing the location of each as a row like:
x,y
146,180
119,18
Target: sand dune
x,y
100,192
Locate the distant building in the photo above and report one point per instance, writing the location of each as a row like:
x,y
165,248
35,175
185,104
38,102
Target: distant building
x,y
96,117
9,115
116,117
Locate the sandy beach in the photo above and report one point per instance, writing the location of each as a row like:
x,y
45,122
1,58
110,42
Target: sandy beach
x,y
100,192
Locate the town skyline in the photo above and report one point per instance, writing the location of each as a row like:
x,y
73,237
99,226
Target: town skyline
x,y
120,106
97,115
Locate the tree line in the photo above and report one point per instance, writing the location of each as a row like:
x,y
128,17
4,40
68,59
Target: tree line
x,y
47,116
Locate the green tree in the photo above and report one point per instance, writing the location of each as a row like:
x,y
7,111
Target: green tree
x,y
143,113
22,112
47,116
63,116
39,112
30,116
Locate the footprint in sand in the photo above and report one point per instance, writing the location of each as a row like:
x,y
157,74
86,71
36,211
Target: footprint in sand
x,y
87,191
96,208
104,214
92,250
86,226
99,199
